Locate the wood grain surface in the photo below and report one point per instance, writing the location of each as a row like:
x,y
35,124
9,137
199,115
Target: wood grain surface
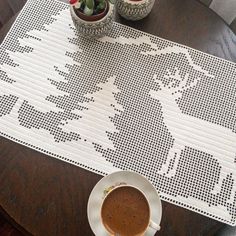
x,y
45,196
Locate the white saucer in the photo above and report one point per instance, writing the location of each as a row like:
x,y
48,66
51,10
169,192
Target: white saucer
x,y
114,179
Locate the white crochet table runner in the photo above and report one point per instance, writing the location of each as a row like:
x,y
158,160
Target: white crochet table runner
x,y
127,101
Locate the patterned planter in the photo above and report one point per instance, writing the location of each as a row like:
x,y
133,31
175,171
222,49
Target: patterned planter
x,y
134,10
94,29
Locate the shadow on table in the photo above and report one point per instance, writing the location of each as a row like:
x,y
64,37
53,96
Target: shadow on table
x,y
227,231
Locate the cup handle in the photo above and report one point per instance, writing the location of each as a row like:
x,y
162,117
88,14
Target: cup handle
x,y
155,226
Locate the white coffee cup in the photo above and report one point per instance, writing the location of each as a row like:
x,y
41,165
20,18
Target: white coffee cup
x,y
151,223
116,179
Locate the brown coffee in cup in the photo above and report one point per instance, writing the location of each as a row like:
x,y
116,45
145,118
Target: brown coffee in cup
x,y
125,212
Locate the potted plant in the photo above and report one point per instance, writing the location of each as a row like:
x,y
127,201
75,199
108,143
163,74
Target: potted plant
x,y
92,18
134,9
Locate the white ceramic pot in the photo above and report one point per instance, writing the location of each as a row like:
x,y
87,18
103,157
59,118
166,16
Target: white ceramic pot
x,y
134,10
93,29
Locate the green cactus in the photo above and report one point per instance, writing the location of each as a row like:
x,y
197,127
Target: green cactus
x,y
90,7
87,11
89,4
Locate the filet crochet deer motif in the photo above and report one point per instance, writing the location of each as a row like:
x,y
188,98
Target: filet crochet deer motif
x,y
190,131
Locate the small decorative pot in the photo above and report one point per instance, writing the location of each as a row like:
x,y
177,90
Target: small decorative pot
x,y
96,26
134,10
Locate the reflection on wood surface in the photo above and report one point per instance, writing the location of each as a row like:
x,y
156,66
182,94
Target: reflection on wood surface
x,y
8,8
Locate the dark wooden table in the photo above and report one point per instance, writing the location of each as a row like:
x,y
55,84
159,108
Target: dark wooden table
x,y
45,196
